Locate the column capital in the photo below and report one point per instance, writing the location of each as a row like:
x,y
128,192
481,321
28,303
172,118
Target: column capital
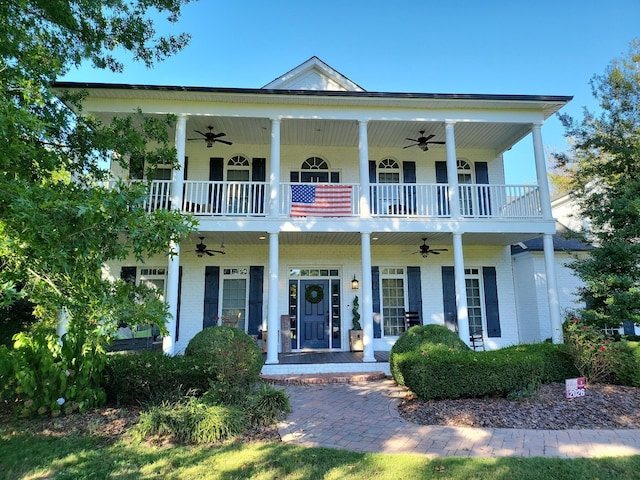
x,y
537,125
450,123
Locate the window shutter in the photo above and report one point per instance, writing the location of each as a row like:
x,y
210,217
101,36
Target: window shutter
x,y
449,299
186,167
484,195
375,288
136,167
443,197
491,301
211,291
259,169
414,289
409,176
256,295
373,194
216,169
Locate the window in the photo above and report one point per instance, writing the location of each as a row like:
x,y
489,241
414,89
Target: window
x,y
238,169
388,190
392,283
154,278
465,178
315,170
234,297
388,171
474,301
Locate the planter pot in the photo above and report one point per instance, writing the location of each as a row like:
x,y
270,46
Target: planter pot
x,y
355,340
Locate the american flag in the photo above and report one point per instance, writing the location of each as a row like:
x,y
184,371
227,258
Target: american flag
x,y
320,200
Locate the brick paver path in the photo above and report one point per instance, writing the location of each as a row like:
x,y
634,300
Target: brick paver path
x,y
363,417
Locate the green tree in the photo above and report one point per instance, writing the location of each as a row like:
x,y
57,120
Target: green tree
x,y
604,165
60,220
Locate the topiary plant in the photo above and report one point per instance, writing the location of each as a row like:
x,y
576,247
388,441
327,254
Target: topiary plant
x,y
426,340
234,357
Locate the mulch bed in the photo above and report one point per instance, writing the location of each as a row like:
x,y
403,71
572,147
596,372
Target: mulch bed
x,y
603,407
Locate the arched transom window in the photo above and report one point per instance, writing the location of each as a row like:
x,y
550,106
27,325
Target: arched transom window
x,y
388,171
314,163
464,172
238,168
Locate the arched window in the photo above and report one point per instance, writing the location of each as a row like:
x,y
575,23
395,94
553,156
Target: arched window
x,y
388,171
315,170
238,169
464,172
314,163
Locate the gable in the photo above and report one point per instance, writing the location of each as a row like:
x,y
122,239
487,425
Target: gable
x,y
313,74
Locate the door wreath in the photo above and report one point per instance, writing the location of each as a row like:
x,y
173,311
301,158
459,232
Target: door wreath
x,y
314,293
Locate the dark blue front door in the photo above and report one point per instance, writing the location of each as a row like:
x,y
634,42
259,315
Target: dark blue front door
x,y
314,318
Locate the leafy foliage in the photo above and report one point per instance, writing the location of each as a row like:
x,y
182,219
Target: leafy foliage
x,y
603,168
233,356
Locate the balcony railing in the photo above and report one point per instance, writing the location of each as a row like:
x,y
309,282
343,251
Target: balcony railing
x,y
342,200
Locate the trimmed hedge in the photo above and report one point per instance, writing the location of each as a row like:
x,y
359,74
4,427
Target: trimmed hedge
x,y
435,364
428,340
135,379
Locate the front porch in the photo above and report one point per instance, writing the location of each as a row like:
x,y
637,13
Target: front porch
x,y
300,363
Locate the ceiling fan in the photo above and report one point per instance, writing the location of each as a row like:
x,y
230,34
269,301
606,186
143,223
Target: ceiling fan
x,y
423,142
201,249
425,250
211,137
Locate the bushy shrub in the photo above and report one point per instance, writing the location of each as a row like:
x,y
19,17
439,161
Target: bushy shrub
x,y
150,377
558,365
45,375
627,366
591,350
427,340
192,420
266,405
233,356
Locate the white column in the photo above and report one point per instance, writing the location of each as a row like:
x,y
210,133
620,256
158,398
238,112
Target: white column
x,y
461,289
273,318
552,289
541,171
274,169
367,299
452,170
173,268
363,152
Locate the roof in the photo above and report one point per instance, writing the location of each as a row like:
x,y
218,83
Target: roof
x,y
562,242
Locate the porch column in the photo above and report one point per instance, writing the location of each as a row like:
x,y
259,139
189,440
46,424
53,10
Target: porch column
x,y
173,268
273,319
461,288
452,170
552,289
541,171
274,169
363,155
367,299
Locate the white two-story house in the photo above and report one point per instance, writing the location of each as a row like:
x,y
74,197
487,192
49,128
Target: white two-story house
x,y
318,191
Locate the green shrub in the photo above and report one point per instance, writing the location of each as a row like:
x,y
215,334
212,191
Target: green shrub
x,y
590,349
558,365
193,421
266,404
150,377
427,340
627,365
233,356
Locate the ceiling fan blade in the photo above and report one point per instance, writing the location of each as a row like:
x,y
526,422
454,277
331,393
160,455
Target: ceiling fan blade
x,y
217,251
434,252
440,250
429,137
216,135
437,143
222,141
201,133
414,145
412,139
209,252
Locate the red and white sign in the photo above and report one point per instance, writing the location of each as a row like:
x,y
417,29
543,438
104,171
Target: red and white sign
x,y
575,387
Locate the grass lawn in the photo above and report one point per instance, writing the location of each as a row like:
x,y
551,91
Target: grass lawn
x,y
26,455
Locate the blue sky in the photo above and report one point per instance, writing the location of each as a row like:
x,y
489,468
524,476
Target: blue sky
x,y
540,47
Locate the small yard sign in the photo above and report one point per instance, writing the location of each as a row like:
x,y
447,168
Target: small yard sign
x,y
574,387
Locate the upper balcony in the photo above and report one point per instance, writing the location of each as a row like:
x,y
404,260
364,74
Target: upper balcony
x,y
229,199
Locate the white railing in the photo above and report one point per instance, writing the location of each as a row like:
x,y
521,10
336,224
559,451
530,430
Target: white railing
x,y
224,198
387,200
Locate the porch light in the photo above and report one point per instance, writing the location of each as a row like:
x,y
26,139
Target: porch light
x,y
355,284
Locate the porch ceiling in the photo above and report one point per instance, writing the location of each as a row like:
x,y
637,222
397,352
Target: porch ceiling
x,y
410,239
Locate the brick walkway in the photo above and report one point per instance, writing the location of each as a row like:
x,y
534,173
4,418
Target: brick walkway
x,y
363,417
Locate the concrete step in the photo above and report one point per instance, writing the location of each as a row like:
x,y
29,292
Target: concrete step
x,y
320,378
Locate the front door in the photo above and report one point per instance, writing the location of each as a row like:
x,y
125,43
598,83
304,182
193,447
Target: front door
x,y
314,318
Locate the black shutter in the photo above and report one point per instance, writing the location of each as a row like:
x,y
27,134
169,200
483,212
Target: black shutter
x,y
373,194
256,296
258,174
136,167
259,169
629,327
414,289
449,299
128,274
409,176
211,288
491,301
186,167
375,301
179,303
443,197
484,195
216,173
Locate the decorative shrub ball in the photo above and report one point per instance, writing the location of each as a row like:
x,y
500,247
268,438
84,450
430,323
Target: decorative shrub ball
x,y
235,357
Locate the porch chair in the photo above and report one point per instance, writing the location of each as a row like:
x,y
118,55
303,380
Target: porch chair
x,y
411,319
477,340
